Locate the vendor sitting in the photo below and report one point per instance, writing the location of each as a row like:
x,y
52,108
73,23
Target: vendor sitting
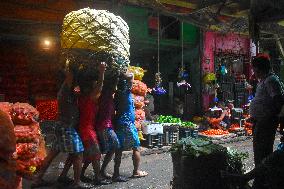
x,y
224,120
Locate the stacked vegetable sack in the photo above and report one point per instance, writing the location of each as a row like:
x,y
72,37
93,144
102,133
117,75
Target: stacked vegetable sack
x,y
139,91
30,145
90,37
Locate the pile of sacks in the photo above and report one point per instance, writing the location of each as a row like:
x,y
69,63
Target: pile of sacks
x,y
30,145
139,91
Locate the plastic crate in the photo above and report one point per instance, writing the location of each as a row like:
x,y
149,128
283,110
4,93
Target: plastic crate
x,y
194,133
170,127
185,132
153,128
153,141
170,137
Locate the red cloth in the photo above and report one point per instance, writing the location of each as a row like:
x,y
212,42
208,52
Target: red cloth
x,y
106,112
88,110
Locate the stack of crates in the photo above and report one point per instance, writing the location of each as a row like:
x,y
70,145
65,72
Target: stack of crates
x,y
171,135
194,133
185,132
153,141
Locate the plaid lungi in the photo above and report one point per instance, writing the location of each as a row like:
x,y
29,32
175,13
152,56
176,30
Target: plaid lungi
x,y
67,139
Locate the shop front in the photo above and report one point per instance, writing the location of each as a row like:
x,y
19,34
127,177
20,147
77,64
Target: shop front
x,y
227,57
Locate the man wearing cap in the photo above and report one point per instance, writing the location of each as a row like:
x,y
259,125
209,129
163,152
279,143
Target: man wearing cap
x,y
264,109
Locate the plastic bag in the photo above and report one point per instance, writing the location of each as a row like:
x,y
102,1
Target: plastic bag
x,y
209,77
139,88
138,125
139,115
137,71
139,101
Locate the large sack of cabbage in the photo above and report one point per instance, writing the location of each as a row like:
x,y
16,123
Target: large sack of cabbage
x,y
96,35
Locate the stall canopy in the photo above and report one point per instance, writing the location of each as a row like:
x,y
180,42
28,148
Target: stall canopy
x,y
259,18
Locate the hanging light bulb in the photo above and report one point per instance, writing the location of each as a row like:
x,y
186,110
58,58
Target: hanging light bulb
x,y
158,89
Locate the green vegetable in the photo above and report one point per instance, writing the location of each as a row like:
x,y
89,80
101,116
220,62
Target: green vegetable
x,y
196,160
168,119
194,147
188,124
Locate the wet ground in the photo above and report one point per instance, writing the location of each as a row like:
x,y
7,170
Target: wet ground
x,y
159,167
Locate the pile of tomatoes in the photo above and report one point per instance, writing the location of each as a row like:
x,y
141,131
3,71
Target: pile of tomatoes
x,y
211,132
234,127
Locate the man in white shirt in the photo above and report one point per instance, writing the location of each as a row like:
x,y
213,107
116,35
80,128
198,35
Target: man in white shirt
x,y
264,109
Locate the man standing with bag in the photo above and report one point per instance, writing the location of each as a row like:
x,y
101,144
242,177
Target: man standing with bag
x,y
264,110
